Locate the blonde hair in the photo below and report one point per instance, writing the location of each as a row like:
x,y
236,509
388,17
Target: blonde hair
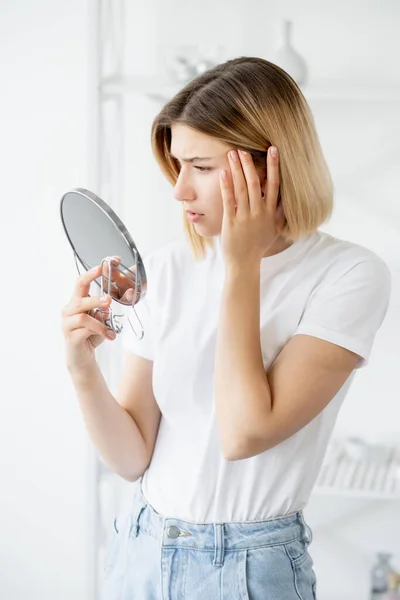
x,y
250,103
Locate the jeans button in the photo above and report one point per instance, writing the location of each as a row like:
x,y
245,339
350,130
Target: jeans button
x,y
173,532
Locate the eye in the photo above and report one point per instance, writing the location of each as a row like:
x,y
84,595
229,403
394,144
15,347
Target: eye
x,y
202,169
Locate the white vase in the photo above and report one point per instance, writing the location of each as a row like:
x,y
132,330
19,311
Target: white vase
x,y
289,60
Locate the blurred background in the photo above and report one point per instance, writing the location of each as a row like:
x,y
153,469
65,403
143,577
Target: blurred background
x,y
80,84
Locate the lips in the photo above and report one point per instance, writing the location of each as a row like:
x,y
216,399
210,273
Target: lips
x,y
191,212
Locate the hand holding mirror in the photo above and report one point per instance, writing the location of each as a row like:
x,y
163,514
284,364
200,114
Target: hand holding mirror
x,y
98,237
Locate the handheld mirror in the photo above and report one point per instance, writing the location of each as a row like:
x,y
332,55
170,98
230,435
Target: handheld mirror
x,y
98,237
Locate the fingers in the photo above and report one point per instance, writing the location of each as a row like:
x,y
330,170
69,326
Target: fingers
x,y
83,305
82,285
85,322
240,191
77,324
272,185
123,279
121,274
245,186
252,180
129,295
228,199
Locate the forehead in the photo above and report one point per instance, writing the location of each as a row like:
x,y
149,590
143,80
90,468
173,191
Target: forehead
x,y
187,142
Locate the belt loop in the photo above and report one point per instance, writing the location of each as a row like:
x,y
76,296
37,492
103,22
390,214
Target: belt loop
x,y
219,549
310,533
307,528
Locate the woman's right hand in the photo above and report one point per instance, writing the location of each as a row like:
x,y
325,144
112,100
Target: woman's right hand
x,y
83,332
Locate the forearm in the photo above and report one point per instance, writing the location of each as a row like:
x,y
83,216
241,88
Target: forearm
x,y
112,430
242,393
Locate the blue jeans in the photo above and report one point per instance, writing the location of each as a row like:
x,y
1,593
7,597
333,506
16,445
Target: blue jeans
x,y
153,557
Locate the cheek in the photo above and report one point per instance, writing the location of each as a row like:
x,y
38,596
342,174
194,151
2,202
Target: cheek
x,y
217,197
212,190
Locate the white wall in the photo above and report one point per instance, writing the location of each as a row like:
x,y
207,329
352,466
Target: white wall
x,y
44,114
43,447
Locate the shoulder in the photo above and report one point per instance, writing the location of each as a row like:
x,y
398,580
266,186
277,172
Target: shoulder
x,y
340,258
167,262
175,252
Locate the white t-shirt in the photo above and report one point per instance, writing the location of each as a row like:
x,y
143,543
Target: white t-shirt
x,y
321,286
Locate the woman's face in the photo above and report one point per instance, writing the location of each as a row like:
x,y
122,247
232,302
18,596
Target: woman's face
x,y
201,160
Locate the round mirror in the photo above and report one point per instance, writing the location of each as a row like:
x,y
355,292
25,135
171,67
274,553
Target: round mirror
x,y
98,237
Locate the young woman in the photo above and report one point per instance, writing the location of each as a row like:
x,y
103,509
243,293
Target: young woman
x,y
254,330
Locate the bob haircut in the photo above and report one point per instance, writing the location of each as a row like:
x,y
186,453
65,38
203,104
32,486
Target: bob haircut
x,y
250,103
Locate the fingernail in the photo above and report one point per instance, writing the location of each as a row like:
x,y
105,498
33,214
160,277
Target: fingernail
x,y
111,335
233,155
274,151
103,298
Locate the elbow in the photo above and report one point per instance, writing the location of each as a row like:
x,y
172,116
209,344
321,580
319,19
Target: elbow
x,y
128,475
130,478
246,448
237,450
231,456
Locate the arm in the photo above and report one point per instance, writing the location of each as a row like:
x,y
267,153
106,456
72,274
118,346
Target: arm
x,y
256,410
123,432
242,393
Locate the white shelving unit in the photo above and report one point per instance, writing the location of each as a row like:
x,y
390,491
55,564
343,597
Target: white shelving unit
x,y
354,481
364,478
347,485
159,89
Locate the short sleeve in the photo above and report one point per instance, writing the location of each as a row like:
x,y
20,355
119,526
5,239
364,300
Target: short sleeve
x,y
349,310
130,341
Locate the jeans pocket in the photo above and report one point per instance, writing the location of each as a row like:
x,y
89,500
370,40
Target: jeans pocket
x,y
302,566
278,572
115,542
297,550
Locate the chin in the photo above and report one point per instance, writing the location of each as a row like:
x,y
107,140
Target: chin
x,y
206,232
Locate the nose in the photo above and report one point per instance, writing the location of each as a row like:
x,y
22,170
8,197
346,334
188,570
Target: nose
x,y
183,190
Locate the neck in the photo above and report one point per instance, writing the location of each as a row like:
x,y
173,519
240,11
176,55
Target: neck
x,y
278,246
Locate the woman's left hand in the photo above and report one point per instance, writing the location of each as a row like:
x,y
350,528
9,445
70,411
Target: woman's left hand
x,y
252,220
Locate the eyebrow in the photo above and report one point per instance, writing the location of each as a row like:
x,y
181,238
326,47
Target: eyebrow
x,y
190,160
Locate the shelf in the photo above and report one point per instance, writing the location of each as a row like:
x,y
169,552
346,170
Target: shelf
x,y
161,90
351,91
362,477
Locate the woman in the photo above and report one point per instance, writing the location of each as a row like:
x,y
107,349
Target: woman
x,y
253,333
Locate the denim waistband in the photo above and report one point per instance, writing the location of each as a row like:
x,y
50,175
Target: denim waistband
x,y
233,535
